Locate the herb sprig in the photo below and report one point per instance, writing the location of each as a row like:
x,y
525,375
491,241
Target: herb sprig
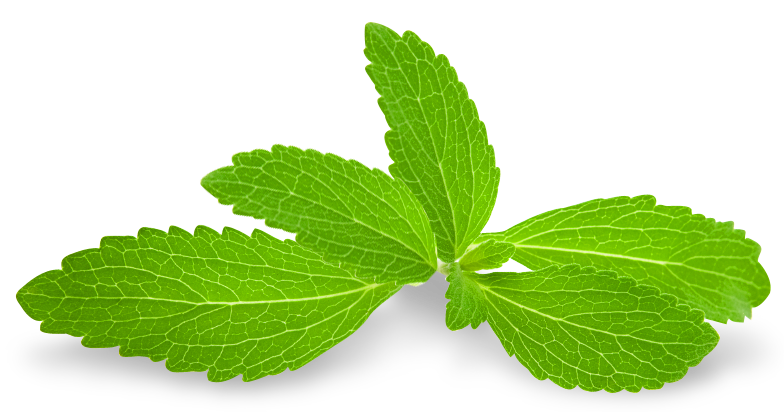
x,y
616,299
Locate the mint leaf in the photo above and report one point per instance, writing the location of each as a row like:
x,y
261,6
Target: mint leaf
x,y
491,254
580,327
226,303
707,264
466,304
363,219
436,139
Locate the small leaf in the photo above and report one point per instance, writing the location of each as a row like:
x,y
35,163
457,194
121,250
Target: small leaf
x,y
579,327
707,264
491,254
363,219
438,144
226,303
466,304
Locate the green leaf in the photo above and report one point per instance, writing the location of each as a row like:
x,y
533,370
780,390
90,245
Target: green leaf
x,y
707,264
466,304
491,254
363,219
580,327
226,303
438,144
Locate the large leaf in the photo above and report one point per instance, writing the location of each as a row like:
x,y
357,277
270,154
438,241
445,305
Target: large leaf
x,y
226,303
363,219
596,330
438,144
707,264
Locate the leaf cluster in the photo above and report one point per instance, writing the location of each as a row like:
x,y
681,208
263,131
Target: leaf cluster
x,y
616,299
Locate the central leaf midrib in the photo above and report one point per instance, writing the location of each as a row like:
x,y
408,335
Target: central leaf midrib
x,y
225,303
638,259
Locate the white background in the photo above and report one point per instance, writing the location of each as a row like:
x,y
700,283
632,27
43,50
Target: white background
x,y
110,114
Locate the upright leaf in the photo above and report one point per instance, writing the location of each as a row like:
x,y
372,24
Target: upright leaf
x,y
707,264
226,303
438,144
363,219
580,327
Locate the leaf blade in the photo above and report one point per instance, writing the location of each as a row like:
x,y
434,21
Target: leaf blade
x,y
491,254
357,217
226,303
581,327
436,140
707,264
466,304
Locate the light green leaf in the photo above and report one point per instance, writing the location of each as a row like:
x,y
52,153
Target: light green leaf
x,y
466,304
491,254
707,264
580,327
226,303
438,144
363,219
